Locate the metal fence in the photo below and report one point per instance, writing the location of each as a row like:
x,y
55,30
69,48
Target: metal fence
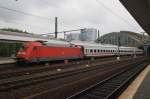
x,y
9,49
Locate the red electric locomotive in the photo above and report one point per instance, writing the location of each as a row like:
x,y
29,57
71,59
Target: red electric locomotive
x,y
37,52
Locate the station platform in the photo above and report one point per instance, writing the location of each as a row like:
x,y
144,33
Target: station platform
x,y
7,60
139,88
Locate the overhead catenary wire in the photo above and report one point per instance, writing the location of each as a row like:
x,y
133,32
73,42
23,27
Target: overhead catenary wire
x,y
15,22
46,2
63,31
24,13
70,24
30,14
22,24
115,14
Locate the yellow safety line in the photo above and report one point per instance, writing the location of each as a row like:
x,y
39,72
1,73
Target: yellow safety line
x,y
133,87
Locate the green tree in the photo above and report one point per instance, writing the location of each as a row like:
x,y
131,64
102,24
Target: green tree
x,y
13,30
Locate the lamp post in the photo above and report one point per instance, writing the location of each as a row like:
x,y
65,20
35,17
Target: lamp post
x,y
118,54
56,27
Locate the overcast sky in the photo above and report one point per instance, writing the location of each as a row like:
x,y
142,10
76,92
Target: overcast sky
x,y
105,15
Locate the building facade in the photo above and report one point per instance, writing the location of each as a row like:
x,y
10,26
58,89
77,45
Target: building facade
x,y
73,36
124,38
88,34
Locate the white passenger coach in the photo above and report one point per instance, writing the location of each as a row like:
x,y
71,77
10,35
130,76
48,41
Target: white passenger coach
x,y
95,49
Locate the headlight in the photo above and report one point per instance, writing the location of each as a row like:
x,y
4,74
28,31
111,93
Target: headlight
x,y
22,53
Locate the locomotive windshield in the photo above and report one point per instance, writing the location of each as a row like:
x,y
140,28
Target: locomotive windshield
x,y
23,47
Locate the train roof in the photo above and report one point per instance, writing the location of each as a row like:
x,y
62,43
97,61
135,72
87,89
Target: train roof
x,y
92,44
57,43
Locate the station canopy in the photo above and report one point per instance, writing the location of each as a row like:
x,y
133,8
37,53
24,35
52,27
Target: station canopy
x,y
140,10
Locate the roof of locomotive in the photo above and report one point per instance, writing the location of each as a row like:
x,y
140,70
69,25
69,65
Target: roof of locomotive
x,y
57,43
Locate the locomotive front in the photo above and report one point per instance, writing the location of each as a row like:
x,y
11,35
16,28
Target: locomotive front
x,y
24,54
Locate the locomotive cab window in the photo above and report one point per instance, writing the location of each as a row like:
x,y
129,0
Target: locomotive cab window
x,y
91,50
23,47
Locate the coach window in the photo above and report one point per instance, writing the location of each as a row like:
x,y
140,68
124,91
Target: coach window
x,y
94,50
88,50
98,50
91,50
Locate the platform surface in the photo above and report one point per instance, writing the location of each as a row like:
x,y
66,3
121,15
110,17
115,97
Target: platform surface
x,y
7,60
139,88
143,91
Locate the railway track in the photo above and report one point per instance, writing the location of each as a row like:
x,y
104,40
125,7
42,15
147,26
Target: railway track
x,y
14,71
111,87
66,90
24,80
55,92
